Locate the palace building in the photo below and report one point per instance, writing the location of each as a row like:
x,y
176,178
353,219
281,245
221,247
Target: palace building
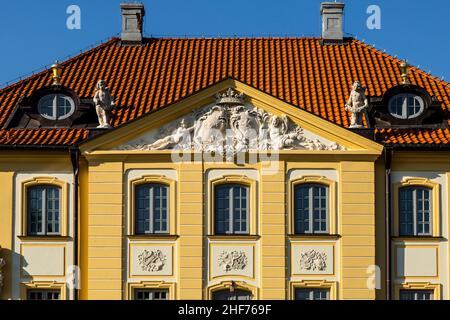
x,y
226,168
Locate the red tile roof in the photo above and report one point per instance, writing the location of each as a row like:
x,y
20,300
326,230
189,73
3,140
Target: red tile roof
x,y
414,137
300,71
43,137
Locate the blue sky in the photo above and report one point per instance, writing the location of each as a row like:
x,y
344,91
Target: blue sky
x,y
34,33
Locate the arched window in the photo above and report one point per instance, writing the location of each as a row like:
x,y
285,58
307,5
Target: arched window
x,y
415,211
56,106
406,106
311,209
151,208
237,294
231,209
44,210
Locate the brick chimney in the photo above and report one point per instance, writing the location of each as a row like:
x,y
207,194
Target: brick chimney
x,y
132,23
332,21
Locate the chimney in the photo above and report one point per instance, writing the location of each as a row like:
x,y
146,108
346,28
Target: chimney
x,y
332,21
132,23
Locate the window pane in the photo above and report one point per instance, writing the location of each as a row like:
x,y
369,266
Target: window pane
x,y
312,294
46,106
416,295
43,295
415,211
406,212
148,294
311,203
235,295
231,202
222,210
44,209
151,213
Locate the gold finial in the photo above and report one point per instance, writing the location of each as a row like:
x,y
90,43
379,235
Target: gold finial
x,y
56,69
404,68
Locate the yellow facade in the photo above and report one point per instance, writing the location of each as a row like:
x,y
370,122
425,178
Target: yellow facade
x,y
107,244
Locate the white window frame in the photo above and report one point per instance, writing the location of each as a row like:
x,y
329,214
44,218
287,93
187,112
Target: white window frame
x,y
415,219
405,97
231,230
55,106
311,187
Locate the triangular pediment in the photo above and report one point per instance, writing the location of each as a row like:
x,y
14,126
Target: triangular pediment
x,y
230,118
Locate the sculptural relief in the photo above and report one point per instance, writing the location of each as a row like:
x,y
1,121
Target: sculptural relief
x,y
104,104
230,126
313,261
358,105
232,260
152,261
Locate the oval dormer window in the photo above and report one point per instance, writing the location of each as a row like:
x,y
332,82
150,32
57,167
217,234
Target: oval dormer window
x,y
56,107
406,106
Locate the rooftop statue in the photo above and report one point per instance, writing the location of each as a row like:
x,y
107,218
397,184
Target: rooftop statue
x,y
357,104
104,104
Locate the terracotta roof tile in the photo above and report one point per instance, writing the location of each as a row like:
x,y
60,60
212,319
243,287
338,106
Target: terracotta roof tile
x,y
300,71
408,137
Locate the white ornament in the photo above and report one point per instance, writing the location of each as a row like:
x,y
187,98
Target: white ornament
x,y
313,261
232,260
152,261
230,126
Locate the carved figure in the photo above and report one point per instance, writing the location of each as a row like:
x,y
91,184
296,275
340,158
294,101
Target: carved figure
x,y
358,105
210,129
104,104
181,135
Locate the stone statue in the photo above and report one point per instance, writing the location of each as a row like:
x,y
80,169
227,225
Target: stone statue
x,y
357,104
104,104
181,135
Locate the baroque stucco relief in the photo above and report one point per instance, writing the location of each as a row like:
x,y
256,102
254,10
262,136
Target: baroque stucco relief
x,y
149,260
231,126
152,261
231,260
314,259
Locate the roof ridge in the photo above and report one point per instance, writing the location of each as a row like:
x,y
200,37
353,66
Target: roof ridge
x,y
46,69
391,57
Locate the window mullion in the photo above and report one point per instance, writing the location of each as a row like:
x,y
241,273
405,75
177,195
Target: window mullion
x,y
44,211
311,209
151,213
231,209
414,194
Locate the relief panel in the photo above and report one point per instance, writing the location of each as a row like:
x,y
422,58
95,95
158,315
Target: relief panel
x,y
312,259
151,260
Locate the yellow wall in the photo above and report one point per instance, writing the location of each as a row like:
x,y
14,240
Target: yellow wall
x,y
105,242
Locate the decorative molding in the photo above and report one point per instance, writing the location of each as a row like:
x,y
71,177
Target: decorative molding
x,y
229,127
313,260
232,260
152,261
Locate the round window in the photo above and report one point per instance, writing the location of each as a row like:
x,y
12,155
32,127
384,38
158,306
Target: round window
x,y
406,106
56,107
